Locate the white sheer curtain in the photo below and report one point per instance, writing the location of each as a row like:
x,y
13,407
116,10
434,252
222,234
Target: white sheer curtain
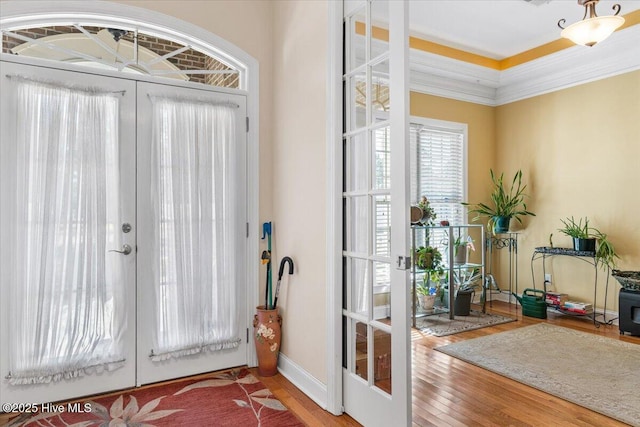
x,y
67,313
194,174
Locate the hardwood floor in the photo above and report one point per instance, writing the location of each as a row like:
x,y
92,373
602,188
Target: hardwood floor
x,y
450,392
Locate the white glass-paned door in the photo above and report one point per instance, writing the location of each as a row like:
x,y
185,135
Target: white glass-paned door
x,y
67,314
192,216
376,374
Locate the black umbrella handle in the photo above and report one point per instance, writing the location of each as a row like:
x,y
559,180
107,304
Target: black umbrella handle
x,y
285,260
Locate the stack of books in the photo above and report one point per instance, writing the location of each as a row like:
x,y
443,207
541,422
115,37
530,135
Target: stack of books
x,y
578,307
555,298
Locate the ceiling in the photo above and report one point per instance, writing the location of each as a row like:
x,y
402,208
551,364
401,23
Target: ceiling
x,y
499,28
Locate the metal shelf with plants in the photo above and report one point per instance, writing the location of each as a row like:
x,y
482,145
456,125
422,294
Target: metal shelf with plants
x,y
443,258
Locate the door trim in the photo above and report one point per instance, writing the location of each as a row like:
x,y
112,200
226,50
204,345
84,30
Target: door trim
x,y
334,208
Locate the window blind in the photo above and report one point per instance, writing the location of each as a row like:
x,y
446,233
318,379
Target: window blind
x,y
437,170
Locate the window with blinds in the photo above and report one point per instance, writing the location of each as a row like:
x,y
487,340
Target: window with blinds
x,y
438,171
438,168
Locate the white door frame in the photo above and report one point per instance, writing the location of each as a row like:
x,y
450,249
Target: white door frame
x,y
36,13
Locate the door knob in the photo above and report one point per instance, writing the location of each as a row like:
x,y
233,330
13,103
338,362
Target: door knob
x,y
126,250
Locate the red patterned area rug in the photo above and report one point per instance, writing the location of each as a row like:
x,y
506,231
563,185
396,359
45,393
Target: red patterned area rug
x,y
234,398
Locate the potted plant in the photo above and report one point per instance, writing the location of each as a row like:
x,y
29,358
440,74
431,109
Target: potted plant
x,y
428,258
427,294
461,247
579,231
505,204
590,239
423,213
467,281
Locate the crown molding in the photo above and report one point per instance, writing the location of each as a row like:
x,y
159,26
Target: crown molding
x,y
455,79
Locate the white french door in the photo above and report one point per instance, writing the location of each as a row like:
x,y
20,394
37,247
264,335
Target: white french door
x,y
158,331
183,172
65,196
377,354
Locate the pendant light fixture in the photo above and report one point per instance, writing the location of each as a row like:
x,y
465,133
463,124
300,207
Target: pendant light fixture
x,y
594,29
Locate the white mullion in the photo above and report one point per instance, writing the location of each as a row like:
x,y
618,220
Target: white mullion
x,y
381,326
356,255
102,44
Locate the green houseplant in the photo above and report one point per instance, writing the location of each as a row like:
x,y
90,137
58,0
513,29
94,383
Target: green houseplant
x,y
428,258
505,203
423,213
590,239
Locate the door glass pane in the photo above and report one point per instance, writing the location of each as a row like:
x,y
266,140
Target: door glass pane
x,y
379,28
380,87
383,226
382,359
359,230
361,285
356,29
356,161
382,289
382,167
361,367
357,93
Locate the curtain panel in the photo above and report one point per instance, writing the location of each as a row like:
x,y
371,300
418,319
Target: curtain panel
x,y
67,312
193,167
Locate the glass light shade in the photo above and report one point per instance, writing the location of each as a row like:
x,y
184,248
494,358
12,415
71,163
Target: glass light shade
x,y
593,30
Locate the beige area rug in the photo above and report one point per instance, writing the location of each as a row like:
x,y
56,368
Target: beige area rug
x,y
440,325
599,373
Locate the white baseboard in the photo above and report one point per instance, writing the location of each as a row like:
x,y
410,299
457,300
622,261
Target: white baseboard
x,y
307,383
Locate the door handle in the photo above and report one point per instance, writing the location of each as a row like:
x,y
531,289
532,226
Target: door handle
x,y
126,250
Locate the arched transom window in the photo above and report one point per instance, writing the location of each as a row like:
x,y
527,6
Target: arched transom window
x,y
123,49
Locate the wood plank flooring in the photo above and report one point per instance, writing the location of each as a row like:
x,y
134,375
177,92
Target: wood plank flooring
x,y
450,392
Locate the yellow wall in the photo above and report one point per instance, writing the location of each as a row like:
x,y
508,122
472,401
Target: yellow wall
x,y
579,150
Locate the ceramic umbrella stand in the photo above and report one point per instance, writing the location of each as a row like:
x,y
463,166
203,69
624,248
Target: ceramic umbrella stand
x,y
267,335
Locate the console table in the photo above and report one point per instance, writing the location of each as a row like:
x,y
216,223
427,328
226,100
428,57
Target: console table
x,y
585,256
